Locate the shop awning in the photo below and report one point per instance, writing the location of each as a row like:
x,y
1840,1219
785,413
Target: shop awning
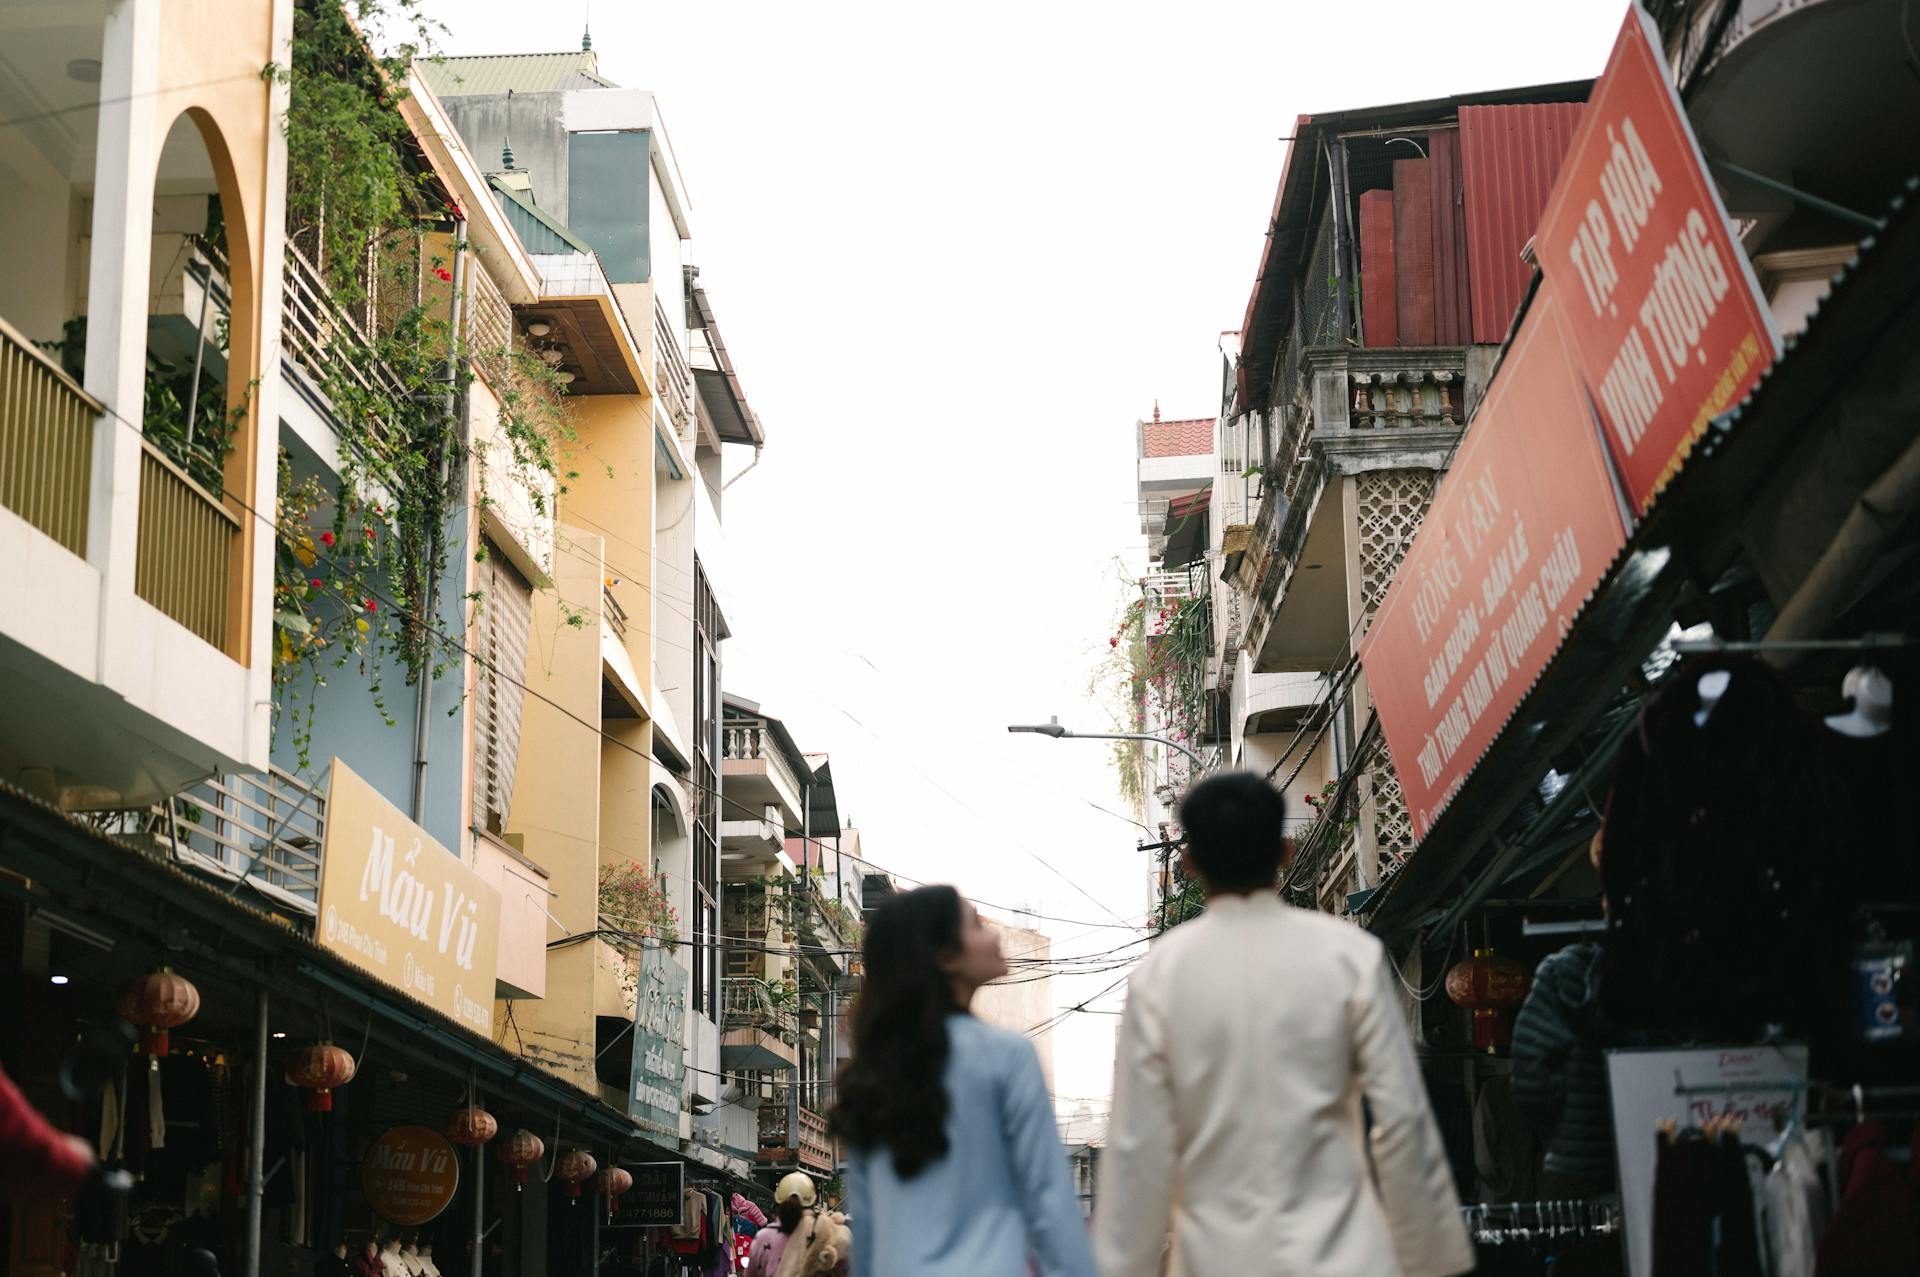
x,y
1810,485
1187,531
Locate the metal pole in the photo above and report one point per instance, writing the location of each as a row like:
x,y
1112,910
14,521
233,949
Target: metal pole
x,y
479,1205
199,352
257,1142
455,402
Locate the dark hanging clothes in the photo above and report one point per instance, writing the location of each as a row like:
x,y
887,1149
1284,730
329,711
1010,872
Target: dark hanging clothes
x,y
1559,1062
1720,914
1875,1232
1703,1214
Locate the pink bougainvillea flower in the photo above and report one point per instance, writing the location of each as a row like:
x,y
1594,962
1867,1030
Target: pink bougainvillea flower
x,y
326,538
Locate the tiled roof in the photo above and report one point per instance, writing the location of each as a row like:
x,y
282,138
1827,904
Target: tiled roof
x,y
520,72
1190,438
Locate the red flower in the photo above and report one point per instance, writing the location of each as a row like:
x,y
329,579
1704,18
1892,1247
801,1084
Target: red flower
x,y
372,606
369,534
1113,642
443,274
326,538
315,583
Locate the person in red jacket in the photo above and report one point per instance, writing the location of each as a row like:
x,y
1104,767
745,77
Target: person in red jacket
x,y
37,1162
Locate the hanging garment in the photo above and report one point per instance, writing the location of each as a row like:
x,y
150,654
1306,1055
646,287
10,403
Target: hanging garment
x,y
1714,909
1559,1062
1682,1228
1875,1231
1794,1206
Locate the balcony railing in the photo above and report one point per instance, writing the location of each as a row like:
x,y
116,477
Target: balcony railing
x,y
751,739
675,378
489,325
184,561
808,1143
270,827
1169,591
616,615
46,442
747,1003
326,341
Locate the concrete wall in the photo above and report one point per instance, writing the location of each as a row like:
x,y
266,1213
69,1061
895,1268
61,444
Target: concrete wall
x,y
539,137
1024,1000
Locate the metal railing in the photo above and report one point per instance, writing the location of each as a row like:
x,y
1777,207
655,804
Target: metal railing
x,y
184,560
675,378
324,339
747,1003
808,1140
269,826
46,442
1168,591
751,739
489,325
616,615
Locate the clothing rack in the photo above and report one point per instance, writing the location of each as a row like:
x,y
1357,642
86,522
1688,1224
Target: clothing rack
x,y
1496,1223
1865,643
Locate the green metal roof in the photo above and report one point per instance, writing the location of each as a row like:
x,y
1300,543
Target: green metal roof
x,y
516,72
537,229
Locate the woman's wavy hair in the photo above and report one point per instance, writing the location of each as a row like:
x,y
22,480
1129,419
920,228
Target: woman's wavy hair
x,y
892,1090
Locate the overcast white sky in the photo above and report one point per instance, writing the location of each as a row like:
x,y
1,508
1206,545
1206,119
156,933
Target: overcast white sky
x,y
957,250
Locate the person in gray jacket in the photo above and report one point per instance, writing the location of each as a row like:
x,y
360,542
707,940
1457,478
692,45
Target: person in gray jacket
x,y
1560,1071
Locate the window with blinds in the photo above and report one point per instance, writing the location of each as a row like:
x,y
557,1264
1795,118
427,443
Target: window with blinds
x,y
505,615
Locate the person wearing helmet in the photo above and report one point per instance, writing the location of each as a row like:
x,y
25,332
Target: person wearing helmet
x,y
792,1199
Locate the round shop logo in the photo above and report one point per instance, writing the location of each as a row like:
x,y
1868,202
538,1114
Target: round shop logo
x,y
410,1175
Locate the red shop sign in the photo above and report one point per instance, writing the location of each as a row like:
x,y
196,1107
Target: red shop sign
x,y
1521,529
1662,313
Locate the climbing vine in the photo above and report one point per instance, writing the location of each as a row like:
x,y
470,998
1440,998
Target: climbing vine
x,y
363,556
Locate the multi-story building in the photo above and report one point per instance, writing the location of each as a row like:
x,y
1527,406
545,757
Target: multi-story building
x,y
1387,282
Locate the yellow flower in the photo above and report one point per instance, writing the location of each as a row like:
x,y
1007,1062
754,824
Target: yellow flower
x,y
361,625
303,550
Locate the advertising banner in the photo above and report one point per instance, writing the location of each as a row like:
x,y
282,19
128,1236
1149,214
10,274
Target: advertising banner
x,y
401,907
657,1090
1522,527
1662,312
657,1198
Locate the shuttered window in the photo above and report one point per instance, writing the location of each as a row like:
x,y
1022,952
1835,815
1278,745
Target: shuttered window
x,y
506,613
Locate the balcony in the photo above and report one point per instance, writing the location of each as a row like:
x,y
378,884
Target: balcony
x,y
188,549
806,1144
758,1026
267,829
757,770
616,615
672,376
46,442
330,345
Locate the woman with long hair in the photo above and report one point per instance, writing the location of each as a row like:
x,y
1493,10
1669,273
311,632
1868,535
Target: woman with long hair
x,y
956,1167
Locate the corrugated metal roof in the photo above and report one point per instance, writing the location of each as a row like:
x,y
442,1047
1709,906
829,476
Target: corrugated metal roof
x,y
1509,157
1190,438
520,72
537,229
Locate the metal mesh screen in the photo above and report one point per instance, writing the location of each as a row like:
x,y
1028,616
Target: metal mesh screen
x,y
1320,291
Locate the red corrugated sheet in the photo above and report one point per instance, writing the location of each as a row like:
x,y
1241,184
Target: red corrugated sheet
x,y
1192,437
1379,319
1413,249
1451,322
1509,157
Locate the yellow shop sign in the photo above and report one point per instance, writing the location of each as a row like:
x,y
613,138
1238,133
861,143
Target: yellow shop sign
x,y
405,909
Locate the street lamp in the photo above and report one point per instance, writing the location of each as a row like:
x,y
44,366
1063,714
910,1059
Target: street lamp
x,y
1053,728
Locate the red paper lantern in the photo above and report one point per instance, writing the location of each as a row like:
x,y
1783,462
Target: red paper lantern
x,y
1490,986
472,1126
156,1002
575,1167
612,1182
320,1068
520,1150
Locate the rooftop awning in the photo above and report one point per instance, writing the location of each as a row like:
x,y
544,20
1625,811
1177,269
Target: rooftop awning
x,y
1187,529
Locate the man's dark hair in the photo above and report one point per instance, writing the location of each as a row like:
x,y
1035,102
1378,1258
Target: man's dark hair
x,y
1235,824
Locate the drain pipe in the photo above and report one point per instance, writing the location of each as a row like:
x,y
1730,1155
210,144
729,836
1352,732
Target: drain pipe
x,y
757,450
257,1139
454,405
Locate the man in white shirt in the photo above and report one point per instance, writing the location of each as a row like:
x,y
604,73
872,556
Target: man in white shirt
x,y
1252,1035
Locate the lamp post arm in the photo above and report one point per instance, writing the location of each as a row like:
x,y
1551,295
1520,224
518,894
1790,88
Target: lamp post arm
x,y
1162,740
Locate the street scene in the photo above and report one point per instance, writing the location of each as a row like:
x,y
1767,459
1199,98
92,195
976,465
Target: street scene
x,y
1278,640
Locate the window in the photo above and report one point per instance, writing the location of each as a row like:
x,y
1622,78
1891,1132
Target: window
x,y
706,797
505,615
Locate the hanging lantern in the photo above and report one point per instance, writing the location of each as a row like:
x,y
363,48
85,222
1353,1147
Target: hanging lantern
x,y
156,1002
612,1182
576,1167
1490,986
472,1126
320,1068
520,1150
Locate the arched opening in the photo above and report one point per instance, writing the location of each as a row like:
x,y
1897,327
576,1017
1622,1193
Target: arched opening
x,y
195,412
